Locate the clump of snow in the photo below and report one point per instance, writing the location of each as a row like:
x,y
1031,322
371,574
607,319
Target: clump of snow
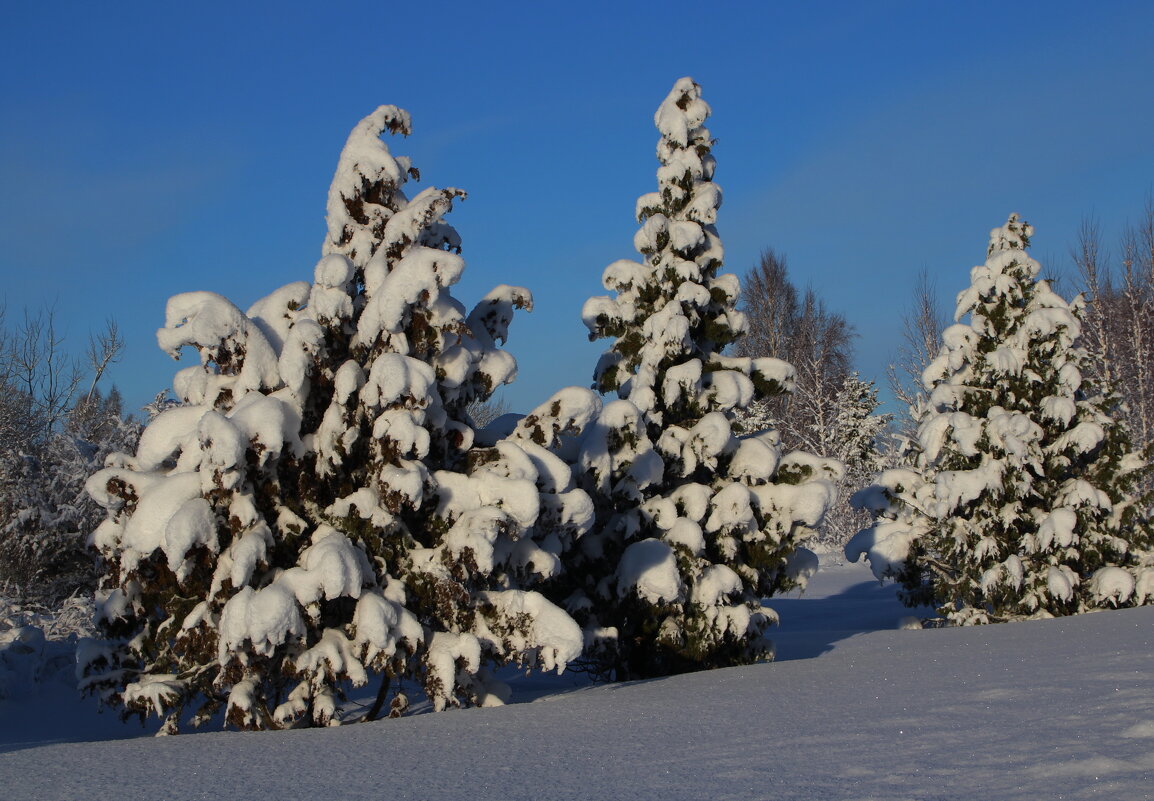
x,y
1112,585
649,568
552,638
259,619
445,652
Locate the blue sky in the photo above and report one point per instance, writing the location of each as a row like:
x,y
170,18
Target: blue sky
x,y
146,151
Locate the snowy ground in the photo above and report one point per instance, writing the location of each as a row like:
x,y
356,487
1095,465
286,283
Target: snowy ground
x,y
853,709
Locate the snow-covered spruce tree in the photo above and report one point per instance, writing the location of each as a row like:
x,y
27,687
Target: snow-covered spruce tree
x,y
856,440
317,510
1021,495
695,524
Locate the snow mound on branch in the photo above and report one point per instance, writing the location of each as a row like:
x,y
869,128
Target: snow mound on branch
x,y
261,619
1112,585
681,112
553,638
446,651
885,545
649,568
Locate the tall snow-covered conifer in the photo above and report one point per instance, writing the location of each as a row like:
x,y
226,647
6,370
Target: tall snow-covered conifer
x,y
1021,496
317,510
695,525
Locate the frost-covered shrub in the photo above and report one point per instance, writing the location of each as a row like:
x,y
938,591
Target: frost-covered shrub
x,y
848,428
318,509
695,524
1021,495
38,643
45,514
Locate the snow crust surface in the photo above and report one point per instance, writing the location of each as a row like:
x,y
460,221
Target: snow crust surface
x,y
854,709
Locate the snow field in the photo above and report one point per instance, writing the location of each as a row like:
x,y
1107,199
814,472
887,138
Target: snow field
x,y
1048,709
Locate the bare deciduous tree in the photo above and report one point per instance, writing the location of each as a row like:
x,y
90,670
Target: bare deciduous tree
x,y
104,350
1118,321
922,327
482,413
770,303
50,442
43,374
831,411
822,354
798,329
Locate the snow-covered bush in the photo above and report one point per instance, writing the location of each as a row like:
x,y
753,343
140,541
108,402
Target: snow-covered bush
x,y
858,438
1118,322
318,510
846,427
1020,496
695,524
45,514
38,643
